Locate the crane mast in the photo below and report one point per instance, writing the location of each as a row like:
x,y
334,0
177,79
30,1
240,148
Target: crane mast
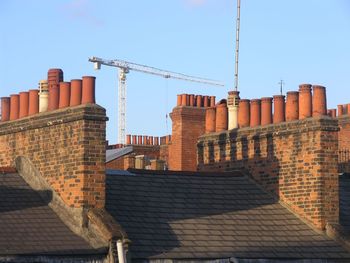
x,y
124,67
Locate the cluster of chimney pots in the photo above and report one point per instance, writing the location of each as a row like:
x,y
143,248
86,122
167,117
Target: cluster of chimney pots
x,y
53,93
147,140
309,101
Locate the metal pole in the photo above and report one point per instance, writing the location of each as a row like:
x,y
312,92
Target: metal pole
x,y
237,42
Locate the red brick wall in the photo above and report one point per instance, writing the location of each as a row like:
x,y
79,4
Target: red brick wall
x,y
344,143
188,125
67,146
117,164
296,161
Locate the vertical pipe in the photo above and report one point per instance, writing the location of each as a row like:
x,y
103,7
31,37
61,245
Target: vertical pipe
x,y
210,119
244,113
178,100
23,104
255,112
14,107
221,116
128,139
199,101
292,106
279,109
266,111
33,102
88,90
305,101
64,95
5,108
75,92
319,101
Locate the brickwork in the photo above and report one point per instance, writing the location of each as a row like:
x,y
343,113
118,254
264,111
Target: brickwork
x,y
344,143
188,125
67,146
296,161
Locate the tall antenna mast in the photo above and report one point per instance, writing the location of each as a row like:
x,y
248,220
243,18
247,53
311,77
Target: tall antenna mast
x,y
237,42
233,96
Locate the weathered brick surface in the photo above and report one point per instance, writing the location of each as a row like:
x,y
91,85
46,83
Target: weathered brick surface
x,y
67,146
188,125
344,143
296,161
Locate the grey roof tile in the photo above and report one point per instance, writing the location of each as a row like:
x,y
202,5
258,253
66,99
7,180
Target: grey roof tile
x,y
29,226
208,216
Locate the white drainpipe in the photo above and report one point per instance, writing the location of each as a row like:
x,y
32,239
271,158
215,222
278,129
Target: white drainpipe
x,y
121,252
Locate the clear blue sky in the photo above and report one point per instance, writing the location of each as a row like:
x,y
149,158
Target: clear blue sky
x,y
299,41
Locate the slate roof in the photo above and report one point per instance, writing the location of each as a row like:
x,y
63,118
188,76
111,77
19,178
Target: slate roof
x,y
29,227
178,216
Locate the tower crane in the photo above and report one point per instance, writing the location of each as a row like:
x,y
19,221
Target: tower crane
x,y
124,68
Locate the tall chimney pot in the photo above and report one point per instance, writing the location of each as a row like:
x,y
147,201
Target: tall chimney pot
x,y
33,102
319,101
292,106
221,116
255,112
88,89
244,113
279,109
266,111
5,108
210,120
305,101
14,107
23,104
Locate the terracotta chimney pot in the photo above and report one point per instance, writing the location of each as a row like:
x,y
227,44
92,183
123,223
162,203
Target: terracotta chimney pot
x,y
333,113
340,110
150,138
23,104
244,113
279,109
255,112
14,107
64,100
75,92
156,140
221,116
167,139
54,76
140,139
348,108
212,101
305,101
54,97
178,100
5,108
266,111
210,120
199,101
205,101
134,139
128,139
192,100
184,101
88,90
292,106
145,140
319,101
33,102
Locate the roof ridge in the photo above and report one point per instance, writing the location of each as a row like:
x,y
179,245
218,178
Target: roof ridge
x,y
234,173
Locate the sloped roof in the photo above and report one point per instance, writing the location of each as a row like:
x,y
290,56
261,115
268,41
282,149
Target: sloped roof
x,y
344,202
113,154
179,216
29,227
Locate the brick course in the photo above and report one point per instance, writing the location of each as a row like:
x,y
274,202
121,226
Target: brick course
x,y
296,161
344,143
188,125
67,146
